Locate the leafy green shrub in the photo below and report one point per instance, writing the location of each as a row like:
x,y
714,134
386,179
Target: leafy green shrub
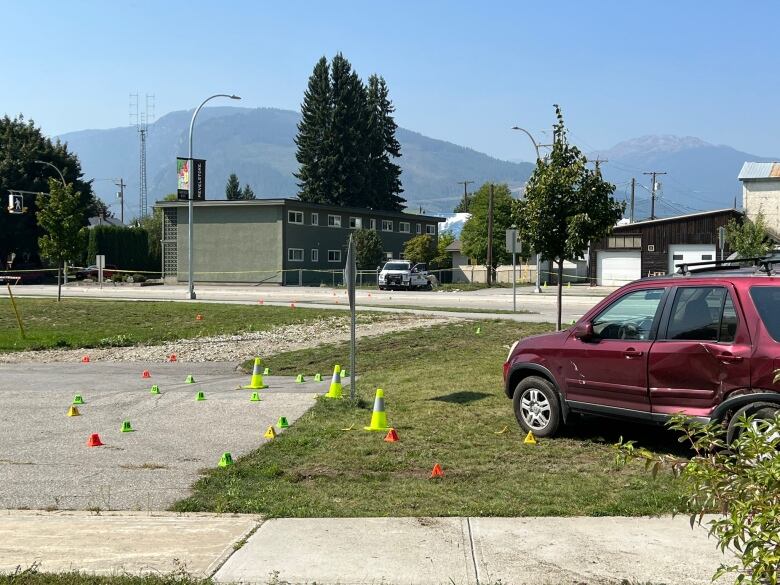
x,y
740,480
139,277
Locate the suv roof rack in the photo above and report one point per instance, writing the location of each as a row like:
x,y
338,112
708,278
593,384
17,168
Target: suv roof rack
x,y
762,263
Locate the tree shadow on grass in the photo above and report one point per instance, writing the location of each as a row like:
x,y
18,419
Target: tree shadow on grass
x,y
656,438
462,397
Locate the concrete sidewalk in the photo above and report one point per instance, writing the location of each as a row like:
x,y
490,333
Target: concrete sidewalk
x,y
477,551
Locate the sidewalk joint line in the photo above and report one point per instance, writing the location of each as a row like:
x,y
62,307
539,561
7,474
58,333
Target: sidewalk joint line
x,y
231,549
473,553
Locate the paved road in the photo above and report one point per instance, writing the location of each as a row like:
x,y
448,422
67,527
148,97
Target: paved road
x,y
532,551
541,307
46,464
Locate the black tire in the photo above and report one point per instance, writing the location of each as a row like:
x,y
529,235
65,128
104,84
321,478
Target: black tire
x,y
536,406
758,410
429,286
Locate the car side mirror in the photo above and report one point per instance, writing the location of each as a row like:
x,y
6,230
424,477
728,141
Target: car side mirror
x,y
584,331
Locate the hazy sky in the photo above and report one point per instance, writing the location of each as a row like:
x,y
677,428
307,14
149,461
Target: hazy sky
x,y
458,71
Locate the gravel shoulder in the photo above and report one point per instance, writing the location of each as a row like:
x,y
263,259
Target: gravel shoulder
x,y
238,347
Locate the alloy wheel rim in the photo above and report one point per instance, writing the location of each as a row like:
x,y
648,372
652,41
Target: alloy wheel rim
x,y
535,408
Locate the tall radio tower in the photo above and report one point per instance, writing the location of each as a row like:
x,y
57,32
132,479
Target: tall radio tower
x,y
141,120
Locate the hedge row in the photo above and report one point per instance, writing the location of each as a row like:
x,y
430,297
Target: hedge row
x,y
127,248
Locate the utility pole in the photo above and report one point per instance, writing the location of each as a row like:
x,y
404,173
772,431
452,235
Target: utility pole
x,y
120,182
633,191
465,191
652,192
598,162
490,236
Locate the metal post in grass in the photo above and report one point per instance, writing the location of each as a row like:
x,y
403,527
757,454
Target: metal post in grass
x,y
350,270
16,310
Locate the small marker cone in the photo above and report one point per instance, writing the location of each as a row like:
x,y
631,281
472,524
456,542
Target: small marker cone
x,y
299,379
282,423
479,330
255,397
345,373
270,433
529,439
292,305
85,359
436,472
502,431
335,384
155,389
172,357
349,428
378,416
126,426
199,317
266,371
190,379
392,436
259,301
146,374
77,399
318,377
73,411
94,440
226,460
256,382
200,396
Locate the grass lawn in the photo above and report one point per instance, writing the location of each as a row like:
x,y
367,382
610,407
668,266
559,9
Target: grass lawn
x,y
456,309
443,392
94,323
34,577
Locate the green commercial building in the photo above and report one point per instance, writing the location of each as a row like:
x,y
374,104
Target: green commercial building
x,y
279,241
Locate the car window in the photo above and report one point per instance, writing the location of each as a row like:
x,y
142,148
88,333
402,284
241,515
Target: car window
x,y
767,301
396,266
630,317
704,313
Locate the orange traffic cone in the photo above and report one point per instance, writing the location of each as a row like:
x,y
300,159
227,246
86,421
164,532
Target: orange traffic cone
x,y
436,472
172,357
199,317
146,374
292,305
391,436
259,301
85,359
94,440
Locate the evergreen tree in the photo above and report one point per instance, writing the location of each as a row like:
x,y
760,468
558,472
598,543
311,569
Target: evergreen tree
x,y
313,139
347,149
247,193
383,176
233,188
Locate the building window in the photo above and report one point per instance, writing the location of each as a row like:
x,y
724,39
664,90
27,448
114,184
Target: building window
x,y
403,227
315,255
295,254
624,242
387,225
372,224
430,230
418,229
334,255
334,221
355,223
315,219
295,217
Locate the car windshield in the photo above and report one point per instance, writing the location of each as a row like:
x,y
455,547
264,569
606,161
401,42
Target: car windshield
x,y
396,266
767,301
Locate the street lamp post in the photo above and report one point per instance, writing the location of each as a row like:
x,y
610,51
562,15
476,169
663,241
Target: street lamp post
x,y
59,172
537,288
191,287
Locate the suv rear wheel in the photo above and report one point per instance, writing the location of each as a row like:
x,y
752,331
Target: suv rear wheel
x,y
759,411
536,406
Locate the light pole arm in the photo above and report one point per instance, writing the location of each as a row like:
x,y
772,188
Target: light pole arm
x,y
527,133
59,172
197,111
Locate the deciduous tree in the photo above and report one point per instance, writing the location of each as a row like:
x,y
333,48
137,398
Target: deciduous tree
x,y
749,239
369,249
419,249
474,236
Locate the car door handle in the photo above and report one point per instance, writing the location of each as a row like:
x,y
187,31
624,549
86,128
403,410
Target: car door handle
x,y
728,358
633,353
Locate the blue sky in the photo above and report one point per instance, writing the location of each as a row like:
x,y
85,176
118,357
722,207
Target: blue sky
x,y
459,71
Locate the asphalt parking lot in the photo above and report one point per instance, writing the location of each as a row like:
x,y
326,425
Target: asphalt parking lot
x,y
45,462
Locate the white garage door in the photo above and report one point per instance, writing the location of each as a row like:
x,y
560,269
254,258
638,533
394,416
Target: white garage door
x,y
679,253
618,268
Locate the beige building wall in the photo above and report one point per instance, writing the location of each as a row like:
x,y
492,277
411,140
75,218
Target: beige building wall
x,y
763,196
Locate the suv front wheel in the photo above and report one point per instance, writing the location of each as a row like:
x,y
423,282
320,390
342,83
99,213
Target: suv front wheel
x,y
536,406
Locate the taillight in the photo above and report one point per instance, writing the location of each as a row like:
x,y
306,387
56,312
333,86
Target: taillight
x,y
506,369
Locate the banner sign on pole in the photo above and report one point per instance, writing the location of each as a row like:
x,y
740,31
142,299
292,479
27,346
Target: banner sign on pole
x,y
183,178
513,244
190,170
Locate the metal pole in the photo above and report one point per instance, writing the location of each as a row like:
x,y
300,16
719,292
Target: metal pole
x,y
633,189
16,310
514,280
538,287
121,184
190,222
59,172
490,235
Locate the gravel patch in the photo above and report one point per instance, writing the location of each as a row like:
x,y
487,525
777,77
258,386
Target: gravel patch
x,y
237,347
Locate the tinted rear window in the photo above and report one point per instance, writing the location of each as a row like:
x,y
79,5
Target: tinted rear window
x,y
767,301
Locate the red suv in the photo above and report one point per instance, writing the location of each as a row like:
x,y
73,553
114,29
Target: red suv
x,y
705,344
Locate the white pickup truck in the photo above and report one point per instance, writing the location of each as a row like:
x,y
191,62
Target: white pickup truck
x,y
398,274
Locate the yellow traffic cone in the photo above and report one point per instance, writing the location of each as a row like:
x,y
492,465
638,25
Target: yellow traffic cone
x,y
256,383
270,433
335,384
73,411
379,416
529,439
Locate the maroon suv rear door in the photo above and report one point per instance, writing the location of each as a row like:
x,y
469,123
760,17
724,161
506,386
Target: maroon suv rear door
x,y
610,369
702,351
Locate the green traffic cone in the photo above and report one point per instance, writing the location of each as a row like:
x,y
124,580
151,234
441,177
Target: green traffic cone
x,y
200,396
267,371
479,330
318,377
255,397
282,423
226,460
126,427
300,379
155,389
77,399
190,379
345,374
